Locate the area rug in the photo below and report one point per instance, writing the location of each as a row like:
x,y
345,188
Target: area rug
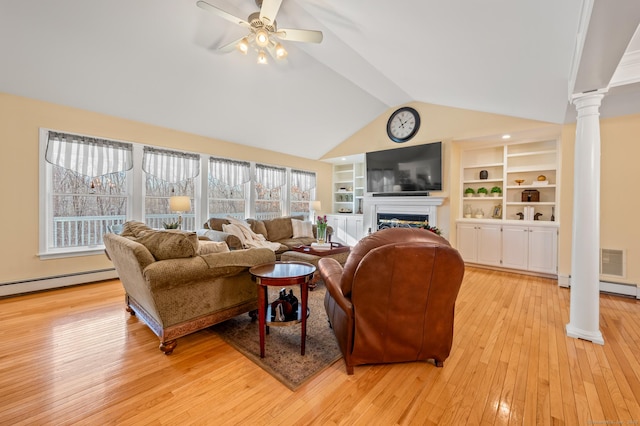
x,y
282,345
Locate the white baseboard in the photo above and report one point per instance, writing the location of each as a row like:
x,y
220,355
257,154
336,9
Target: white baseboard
x,y
46,283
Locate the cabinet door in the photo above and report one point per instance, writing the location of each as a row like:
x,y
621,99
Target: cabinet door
x,y
354,230
543,250
339,225
489,248
515,247
467,242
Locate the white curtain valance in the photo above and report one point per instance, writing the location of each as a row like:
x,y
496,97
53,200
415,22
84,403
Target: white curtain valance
x,y
303,180
271,177
88,156
233,173
170,166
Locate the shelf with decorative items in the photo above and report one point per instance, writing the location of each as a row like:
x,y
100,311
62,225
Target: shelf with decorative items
x,y
348,187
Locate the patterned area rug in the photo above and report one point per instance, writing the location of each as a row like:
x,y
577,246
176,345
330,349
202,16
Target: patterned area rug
x,y
282,348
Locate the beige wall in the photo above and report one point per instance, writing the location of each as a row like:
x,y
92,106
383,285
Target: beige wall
x,y
619,169
20,120
619,206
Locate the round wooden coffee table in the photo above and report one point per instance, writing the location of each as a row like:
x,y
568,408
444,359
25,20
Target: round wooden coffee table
x,y
281,274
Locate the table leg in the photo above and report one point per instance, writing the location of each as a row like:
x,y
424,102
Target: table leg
x,y
262,314
304,293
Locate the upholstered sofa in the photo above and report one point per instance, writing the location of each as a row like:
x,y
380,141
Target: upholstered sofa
x,y
279,230
178,284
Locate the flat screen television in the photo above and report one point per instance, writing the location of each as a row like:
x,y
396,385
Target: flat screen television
x,y
412,169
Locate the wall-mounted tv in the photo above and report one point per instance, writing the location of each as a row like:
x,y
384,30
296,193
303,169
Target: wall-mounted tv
x,y
411,169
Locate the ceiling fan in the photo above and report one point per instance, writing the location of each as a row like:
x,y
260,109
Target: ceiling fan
x,y
263,31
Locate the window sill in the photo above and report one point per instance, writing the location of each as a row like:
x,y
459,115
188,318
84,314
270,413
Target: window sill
x,y
74,252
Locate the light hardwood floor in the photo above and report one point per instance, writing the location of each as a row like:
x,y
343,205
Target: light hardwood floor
x,y
74,356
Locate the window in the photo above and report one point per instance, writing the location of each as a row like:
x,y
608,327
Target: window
x,y
86,190
302,191
269,183
227,187
168,173
91,185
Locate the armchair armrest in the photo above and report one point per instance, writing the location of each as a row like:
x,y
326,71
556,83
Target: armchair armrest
x,y
331,272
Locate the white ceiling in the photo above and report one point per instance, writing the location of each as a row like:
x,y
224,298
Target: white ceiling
x,y
154,61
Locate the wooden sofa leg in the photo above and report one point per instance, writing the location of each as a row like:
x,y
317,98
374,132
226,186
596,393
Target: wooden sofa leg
x,y
168,346
439,363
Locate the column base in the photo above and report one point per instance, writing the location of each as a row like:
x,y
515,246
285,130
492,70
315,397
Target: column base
x,y
591,336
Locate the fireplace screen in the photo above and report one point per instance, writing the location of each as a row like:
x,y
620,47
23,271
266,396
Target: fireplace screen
x,y
395,220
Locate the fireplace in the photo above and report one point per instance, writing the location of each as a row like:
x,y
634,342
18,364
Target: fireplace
x,y
408,211
401,220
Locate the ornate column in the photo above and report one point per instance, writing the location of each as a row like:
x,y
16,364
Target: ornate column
x,y
584,315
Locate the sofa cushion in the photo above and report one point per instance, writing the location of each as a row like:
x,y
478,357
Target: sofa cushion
x,y
302,229
279,228
170,244
208,247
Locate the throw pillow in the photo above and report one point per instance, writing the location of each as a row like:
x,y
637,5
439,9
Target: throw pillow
x,y
170,244
235,230
302,229
279,228
258,227
207,247
216,223
134,228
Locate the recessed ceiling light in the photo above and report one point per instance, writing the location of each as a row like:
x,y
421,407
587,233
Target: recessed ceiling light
x,y
506,136
344,159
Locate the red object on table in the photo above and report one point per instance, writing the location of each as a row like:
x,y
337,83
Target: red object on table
x,y
282,274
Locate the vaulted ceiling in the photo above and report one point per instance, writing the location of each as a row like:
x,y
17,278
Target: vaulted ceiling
x,y
155,61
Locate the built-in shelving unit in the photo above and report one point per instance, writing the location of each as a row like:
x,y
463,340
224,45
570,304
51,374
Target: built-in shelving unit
x,y
490,230
504,166
348,187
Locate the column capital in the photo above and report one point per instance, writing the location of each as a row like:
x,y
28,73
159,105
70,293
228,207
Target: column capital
x,y
586,98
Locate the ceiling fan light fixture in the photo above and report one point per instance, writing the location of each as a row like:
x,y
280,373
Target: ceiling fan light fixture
x,y
281,52
262,58
243,46
262,37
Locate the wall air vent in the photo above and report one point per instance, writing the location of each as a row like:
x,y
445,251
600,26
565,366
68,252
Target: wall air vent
x,y
613,263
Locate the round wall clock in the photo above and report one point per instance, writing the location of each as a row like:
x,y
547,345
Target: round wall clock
x,y
403,124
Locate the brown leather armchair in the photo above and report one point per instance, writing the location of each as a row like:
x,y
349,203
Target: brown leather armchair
x,y
394,299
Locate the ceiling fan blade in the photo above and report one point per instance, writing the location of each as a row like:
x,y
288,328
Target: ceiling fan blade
x,y
221,13
269,10
307,36
229,47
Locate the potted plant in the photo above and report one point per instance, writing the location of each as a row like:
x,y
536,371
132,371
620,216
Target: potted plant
x,y
469,192
496,191
482,191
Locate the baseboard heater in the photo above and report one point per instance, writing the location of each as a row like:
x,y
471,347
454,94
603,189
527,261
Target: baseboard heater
x,y
620,289
46,283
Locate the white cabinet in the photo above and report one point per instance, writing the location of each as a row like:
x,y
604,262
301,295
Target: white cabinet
x,y
480,243
530,248
347,228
